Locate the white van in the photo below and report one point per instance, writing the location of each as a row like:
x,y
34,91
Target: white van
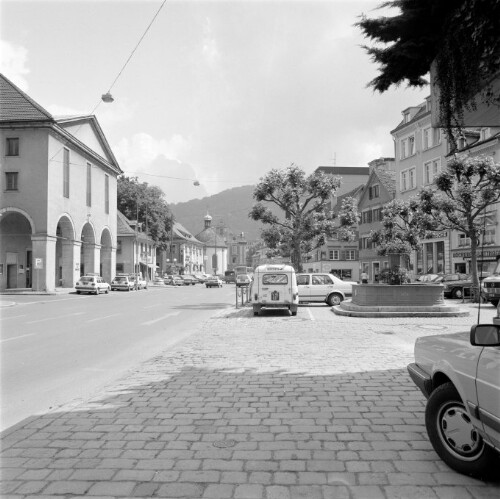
x,y
274,287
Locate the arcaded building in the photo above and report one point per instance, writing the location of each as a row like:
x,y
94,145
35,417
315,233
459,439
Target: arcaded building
x,y
58,210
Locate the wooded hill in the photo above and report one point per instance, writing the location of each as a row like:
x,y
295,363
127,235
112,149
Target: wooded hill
x,y
229,207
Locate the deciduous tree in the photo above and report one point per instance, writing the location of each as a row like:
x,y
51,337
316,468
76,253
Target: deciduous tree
x,y
306,220
147,204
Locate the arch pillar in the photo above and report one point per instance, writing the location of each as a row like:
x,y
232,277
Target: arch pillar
x,y
44,253
71,257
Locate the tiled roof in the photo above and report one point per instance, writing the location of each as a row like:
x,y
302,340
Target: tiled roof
x,y
15,105
387,178
123,225
422,110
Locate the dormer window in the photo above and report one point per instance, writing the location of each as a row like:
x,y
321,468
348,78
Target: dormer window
x,y
406,116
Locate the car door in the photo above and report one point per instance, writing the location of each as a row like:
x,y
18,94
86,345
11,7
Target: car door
x,y
488,392
304,285
321,286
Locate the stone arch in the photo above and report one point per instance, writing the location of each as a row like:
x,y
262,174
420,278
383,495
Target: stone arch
x,y
66,258
16,230
106,265
89,261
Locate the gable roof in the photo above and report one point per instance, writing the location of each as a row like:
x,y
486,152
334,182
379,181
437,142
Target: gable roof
x,y
15,105
123,225
92,120
418,115
17,108
181,232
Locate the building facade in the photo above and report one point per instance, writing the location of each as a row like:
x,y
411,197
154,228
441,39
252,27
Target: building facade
x,y
58,204
420,152
379,190
135,251
214,248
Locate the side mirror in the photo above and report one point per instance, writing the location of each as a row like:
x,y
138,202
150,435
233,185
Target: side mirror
x,y
485,335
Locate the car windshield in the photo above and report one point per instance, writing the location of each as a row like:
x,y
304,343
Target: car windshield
x,y
275,279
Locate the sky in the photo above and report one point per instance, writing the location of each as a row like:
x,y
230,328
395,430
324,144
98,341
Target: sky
x,y
216,93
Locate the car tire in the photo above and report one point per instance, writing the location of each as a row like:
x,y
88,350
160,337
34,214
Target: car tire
x,y
78,292
334,299
457,293
454,437
494,302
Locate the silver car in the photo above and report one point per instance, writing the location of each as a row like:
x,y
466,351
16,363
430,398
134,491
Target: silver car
x,y
460,376
323,288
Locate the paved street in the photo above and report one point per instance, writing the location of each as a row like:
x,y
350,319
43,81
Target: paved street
x,y
272,407
56,349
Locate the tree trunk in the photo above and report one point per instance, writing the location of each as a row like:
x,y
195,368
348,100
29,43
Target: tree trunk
x,y
475,290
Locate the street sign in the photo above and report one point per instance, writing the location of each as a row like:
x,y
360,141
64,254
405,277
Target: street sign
x,y
38,263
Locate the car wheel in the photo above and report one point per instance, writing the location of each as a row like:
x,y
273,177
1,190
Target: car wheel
x,y
334,299
454,437
457,293
78,292
494,302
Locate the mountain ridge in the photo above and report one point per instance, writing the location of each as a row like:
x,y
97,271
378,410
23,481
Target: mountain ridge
x,y
229,208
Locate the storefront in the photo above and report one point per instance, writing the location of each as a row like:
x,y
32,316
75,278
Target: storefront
x,y
486,259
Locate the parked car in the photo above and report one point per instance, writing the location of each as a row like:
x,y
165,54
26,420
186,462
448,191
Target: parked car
x,y
122,282
214,281
427,278
490,286
202,278
188,279
93,284
141,282
458,374
455,285
323,288
243,280
173,280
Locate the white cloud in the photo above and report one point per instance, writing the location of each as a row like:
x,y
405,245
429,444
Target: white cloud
x,y
13,60
142,149
210,50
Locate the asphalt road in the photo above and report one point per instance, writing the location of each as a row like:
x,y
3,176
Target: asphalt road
x,y
59,349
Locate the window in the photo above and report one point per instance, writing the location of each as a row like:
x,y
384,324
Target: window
x,y
436,139
302,280
106,194
463,240
485,133
404,149
118,247
321,280
66,173
431,169
427,138
89,184
350,255
411,145
412,182
334,254
374,191
12,146
274,279
11,181
404,180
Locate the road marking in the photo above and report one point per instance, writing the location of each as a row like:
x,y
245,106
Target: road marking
x,y
101,318
17,337
159,319
310,314
14,317
58,317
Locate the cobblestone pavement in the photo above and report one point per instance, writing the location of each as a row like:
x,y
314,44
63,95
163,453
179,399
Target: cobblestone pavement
x,y
316,406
